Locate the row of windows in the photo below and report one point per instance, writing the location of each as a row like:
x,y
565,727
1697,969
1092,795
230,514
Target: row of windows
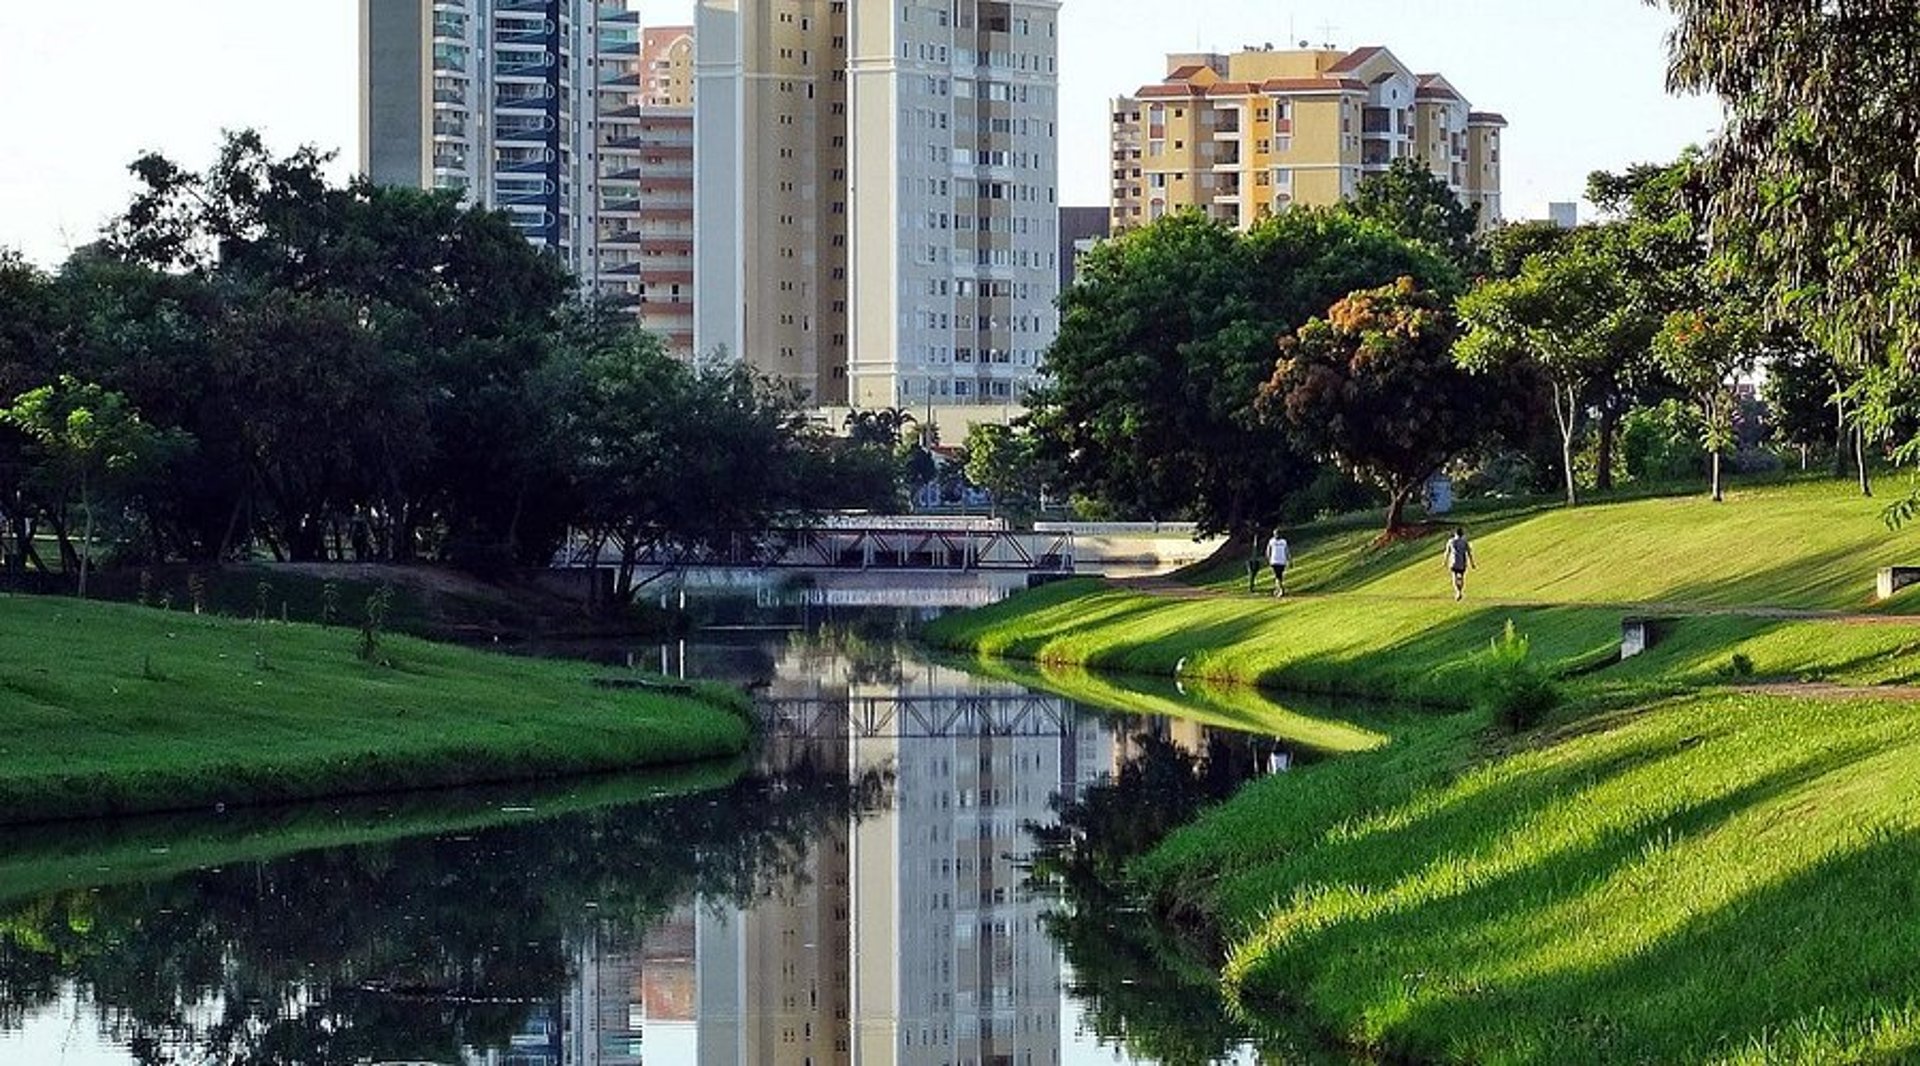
x,y
948,320
991,288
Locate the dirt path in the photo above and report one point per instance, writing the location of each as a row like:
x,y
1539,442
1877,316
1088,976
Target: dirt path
x,y
1827,690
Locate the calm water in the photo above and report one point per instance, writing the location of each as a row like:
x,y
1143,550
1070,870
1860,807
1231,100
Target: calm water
x,y
861,892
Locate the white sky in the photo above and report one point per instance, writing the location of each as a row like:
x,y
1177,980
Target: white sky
x,y
91,84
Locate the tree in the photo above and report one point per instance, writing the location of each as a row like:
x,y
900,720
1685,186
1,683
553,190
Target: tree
x,y
1414,202
1004,461
678,458
1815,182
1804,390
90,440
1374,386
1570,314
455,301
884,426
1702,350
1505,249
27,324
1148,405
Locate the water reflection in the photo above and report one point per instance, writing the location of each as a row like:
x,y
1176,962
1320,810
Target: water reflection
x,y
862,896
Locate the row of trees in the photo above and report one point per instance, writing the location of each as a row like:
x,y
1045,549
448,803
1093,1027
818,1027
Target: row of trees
x,y
1328,358
253,359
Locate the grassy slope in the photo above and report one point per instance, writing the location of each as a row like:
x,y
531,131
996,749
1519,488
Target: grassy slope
x,y
1382,622
1725,876
107,709
1715,876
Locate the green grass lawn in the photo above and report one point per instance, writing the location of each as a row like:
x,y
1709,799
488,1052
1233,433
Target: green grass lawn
x,y
1722,877
1674,869
113,709
1381,622
1799,544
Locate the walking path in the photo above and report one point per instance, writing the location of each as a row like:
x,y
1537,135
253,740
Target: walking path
x,y
1170,589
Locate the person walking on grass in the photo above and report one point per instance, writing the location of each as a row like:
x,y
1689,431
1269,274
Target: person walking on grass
x,y
1278,557
1459,557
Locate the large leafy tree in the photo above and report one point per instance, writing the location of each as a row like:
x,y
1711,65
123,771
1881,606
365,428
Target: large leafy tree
x,y
1149,402
677,458
1702,350
91,443
27,322
1414,202
1006,462
1816,184
452,296
1570,314
1374,386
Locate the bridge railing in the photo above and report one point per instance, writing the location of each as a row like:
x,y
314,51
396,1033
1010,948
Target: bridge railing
x,y
850,549
919,717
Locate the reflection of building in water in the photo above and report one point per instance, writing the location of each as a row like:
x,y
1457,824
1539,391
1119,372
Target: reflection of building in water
x,y
949,962
626,1004
775,981
905,937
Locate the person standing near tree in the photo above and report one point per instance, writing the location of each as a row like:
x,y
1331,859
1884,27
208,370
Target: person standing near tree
x,y
1278,557
1459,557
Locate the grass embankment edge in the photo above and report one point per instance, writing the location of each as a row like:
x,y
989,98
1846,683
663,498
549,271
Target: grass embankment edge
x,y
113,710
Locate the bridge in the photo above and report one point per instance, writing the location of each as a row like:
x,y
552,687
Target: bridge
x,y
827,548
918,717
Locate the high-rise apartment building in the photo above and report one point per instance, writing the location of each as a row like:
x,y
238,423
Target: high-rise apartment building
x,y
644,146
1245,135
877,194
536,108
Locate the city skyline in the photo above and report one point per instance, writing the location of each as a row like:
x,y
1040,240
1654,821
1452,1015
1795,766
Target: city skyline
x,y
1582,88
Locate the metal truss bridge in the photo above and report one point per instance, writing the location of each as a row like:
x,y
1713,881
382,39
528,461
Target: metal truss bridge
x,y
849,549
919,717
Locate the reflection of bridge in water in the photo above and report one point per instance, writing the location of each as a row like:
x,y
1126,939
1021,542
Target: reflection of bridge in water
x,y
919,717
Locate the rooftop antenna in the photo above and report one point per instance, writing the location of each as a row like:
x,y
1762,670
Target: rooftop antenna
x,y
1328,31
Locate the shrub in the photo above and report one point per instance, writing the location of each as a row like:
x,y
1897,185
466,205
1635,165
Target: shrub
x,y
1514,688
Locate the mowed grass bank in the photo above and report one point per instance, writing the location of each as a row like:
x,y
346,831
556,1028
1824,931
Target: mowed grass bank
x,y
1674,869
1381,622
111,709
1804,544
1722,877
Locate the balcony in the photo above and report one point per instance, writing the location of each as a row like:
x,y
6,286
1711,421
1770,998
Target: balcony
x,y
515,102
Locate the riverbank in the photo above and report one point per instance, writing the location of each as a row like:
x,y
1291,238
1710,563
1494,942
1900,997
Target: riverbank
x,y
108,709
1719,877
1675,867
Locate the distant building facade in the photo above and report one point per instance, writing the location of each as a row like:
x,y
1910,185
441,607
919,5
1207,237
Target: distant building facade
x,y
1565,214
1246,135
877,195
1080,229
535,108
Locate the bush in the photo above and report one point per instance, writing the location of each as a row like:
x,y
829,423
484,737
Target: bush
x,y
1513,688
1662,444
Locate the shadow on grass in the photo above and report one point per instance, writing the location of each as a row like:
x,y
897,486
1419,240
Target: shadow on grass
x,y
1442,959
1830,579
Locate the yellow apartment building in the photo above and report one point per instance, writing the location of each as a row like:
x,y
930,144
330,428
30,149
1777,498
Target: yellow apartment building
x,y
1245,135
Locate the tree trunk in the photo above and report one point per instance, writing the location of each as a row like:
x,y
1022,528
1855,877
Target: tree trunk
x,y
1397,509
1717,497
86,536
1860,460
1842,440
1603,456
1565,411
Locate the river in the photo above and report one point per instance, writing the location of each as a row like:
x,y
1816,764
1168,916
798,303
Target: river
x,y
863,890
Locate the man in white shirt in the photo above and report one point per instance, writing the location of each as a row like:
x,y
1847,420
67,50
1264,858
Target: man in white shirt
x,y
1278,557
